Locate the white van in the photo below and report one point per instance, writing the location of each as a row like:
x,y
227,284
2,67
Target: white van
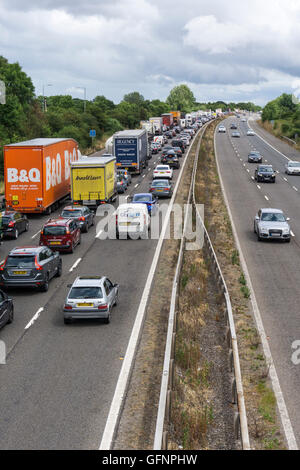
x,y
132,219
159,139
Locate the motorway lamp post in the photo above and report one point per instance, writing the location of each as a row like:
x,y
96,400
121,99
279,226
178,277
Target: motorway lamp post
x,y
44,107
84,102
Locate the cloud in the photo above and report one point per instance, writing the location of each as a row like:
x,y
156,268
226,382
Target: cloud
x,y
248,50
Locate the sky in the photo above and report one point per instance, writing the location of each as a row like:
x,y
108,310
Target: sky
x,y
231,51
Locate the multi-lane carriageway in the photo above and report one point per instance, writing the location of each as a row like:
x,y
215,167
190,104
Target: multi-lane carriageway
x,y
274,267
57,385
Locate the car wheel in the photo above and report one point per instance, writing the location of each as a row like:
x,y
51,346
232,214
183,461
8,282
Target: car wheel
x,y
86,228
259,239
59,270
26,226
67,321
71,250
79,240
254,229
107,320
116,300
45,286
16,234
11,316
93,222
288,240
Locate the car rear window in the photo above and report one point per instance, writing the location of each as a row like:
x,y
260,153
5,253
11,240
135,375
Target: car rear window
x,y
20,261
86,293
71,213
160,183
141,198
55,230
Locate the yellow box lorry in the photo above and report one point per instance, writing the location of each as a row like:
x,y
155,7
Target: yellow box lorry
x,y
93,181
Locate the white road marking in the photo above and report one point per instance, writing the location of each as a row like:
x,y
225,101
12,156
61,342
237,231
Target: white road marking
x,y
75,265
258,186
34,318
284,179
136,185
248,170
266,197
294,187
144,176
35,235
292,233
252,177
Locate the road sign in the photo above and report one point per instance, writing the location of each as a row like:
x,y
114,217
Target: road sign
x,y
92,133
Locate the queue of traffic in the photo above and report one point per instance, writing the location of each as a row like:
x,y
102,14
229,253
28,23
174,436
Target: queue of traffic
x,y
42,174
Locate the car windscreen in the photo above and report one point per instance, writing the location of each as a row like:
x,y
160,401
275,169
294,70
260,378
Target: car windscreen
x,y
266,170
54,230
255,154
160,183
20,261
71,213
272,217
293,164
86,293
142,198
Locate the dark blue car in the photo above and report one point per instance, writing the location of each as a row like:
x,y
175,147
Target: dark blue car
x,y
146,198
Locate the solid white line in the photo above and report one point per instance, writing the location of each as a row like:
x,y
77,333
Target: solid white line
x,y
124,375
36,234
280,153
285,419
75,265
34,318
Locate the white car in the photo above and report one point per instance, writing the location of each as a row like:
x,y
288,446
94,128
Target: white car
x,y
243,120
163,171
250,132
292,168
222,129
132,219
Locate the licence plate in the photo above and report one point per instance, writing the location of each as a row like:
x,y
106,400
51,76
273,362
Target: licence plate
x,y
20,273
55,243
85,305
159,190
125,224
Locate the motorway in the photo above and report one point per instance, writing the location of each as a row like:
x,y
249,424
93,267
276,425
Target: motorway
x,y
274,267
58,382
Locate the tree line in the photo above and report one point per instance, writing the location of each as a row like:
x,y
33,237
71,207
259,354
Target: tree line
x,y
22,117
284,113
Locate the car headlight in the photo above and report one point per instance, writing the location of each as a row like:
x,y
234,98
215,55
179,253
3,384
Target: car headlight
x,y
286,230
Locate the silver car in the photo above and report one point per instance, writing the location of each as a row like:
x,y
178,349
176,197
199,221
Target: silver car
x,y
272,224
90,297
292,168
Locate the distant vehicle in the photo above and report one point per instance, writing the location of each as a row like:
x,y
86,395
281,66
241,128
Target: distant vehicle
x,y
178,151
272,224
154,148
82,214
131,149
171,159
233,126
30,267
6,309
13,223
126,175
132,219
222,129
250,133
121,184
254,157
37,173
178,143
292,168
148,199
163,171
161,188
265,173
61,234
243,120
90,297
235,134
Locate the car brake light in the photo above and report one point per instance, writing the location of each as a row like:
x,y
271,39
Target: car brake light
x,y
2,266
38,267
102,307
82,219
68,307
11,223
68,232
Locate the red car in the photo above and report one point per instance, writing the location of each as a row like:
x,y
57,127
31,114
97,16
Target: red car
x,y
61,234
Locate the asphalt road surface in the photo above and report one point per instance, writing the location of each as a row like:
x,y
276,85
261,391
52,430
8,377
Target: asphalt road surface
x,y
57,385
274,267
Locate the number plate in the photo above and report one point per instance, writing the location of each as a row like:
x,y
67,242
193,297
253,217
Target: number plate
x,y
55,243
85,305
19,273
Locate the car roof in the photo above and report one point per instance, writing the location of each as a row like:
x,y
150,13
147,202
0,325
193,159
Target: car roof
x,y
160,181
6,213
265,166
266,209
294,161
71,208
88,281
59,221
131,205
26,250
142,194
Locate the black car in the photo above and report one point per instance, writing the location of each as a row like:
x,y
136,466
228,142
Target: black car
x,y
233,126
30,267
13,223
170,159
166,149
6,309
265,173
82,214
254,157
178,143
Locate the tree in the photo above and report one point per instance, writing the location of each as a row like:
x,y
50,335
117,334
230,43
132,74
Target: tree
x,y
181,98
134,98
